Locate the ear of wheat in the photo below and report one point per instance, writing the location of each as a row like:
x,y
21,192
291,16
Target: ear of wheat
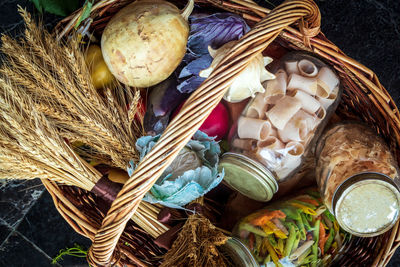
x,y
46,91
57,79
31,147
29,137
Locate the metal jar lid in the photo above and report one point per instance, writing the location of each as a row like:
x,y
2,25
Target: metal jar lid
x,y
238,254
367,204
248,176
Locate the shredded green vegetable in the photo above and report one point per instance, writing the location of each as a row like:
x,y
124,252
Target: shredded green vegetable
x,y
301,227
305,221
314,248
330,240
329,216
296,241
290,240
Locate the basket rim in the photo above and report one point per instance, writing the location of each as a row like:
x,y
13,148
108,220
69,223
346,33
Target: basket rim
x,y
306,36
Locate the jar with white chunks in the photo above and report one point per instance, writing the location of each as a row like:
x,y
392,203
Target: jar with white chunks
x,y
278,128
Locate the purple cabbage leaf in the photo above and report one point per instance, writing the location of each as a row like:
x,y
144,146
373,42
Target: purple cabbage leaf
x,y
214,30
207,30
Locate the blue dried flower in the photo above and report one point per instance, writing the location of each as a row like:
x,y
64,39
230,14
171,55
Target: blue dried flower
x,y
191,175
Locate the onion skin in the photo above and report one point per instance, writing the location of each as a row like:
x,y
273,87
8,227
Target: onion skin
x,y
145,42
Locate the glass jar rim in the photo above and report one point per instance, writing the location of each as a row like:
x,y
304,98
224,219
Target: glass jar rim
x,y
238,251
362,179
260,175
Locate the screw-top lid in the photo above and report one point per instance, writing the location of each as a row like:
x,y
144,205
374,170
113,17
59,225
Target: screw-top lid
x,y
248,177
238,253
367,204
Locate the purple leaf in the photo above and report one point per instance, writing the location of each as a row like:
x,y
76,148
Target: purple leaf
x,y
207,30
191,84
215,30
194,67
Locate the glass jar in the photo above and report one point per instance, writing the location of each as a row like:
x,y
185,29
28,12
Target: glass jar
x,y
358,178
277,129
237,254
299,231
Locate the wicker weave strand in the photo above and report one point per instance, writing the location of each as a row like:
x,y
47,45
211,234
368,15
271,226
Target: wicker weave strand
x,y
364,98
192,115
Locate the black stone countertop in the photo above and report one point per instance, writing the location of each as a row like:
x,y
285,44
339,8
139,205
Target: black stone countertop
x,y
31,230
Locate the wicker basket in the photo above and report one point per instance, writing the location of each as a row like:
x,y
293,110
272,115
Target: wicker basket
x,y
294,25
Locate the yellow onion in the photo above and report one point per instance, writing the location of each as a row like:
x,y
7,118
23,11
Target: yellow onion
x,y
145,41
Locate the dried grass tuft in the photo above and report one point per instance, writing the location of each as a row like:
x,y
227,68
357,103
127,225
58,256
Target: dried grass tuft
x,y
197,245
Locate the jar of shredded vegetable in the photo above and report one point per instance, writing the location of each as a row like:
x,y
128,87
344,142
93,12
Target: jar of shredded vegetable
x,y
296,232
276,131
358,178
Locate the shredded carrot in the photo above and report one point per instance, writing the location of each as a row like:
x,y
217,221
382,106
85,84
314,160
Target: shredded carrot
x,y
308,200
322,237
269,215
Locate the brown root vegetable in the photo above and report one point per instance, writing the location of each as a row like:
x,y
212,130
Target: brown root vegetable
x,y
145,41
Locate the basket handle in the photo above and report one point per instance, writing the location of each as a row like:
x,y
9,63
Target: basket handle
x,y
192,115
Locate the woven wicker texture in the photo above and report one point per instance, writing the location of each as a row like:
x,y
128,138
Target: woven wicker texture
x,y
363,96
184,125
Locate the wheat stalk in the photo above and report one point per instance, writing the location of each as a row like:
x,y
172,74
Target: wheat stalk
x,y
30,147
55,79
24,130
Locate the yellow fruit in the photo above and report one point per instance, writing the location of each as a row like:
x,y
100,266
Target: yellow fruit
x,y
101,75
118,176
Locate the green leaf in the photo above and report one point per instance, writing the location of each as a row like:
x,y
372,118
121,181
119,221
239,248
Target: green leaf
x,y
38,5
57,7
87,8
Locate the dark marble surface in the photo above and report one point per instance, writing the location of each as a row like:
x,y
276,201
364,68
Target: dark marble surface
x,y
18,251
369,32
24,194
31,230
37,232
60,233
